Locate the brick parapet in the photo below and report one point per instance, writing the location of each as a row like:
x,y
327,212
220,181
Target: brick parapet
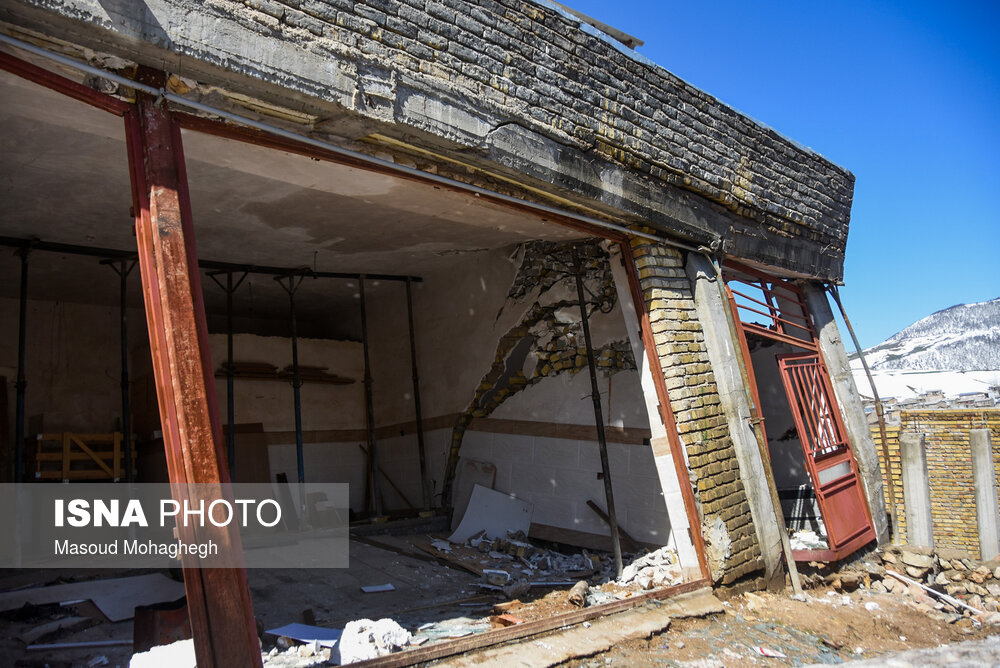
x,y
696,404
949,467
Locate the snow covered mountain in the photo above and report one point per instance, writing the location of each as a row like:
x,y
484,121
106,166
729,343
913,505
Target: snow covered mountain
x,y
961,338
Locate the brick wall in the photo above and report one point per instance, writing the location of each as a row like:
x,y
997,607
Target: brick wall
x,y
949,467
513,83
694,397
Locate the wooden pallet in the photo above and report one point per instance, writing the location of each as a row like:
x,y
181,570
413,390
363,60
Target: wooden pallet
x,y
72,456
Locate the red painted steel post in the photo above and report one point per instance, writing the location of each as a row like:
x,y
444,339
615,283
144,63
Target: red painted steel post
x,y
219,604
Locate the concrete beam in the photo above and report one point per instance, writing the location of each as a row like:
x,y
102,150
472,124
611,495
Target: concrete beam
x,y
916,489
984,477
849,401
699,174
725,365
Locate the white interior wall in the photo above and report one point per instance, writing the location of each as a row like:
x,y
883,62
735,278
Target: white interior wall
x,y
460,313
560,475
72,363
324,406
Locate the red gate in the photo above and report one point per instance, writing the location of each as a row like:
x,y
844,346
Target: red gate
x,y
828,456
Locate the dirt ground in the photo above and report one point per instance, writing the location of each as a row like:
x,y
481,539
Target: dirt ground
x,y
828,627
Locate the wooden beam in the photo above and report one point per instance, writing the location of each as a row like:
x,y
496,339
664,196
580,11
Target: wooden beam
x,y
219,603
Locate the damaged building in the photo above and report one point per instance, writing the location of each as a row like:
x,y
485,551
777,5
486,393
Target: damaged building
x,y
418,247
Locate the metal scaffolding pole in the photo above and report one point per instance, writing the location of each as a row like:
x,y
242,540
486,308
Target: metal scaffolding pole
x,y
229,289
879,413
123,268
595,395
375,503
293,284
424,482
21,383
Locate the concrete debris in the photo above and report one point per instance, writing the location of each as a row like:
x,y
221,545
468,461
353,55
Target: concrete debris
x,y
946,589
297,656
808,539
443,545
517,589
656,569
496,577
597,597
374,589
176,655
366,639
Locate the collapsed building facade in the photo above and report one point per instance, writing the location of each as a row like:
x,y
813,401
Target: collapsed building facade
x,y
424,203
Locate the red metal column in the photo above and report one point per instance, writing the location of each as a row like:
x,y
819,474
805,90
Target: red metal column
x,y
219,603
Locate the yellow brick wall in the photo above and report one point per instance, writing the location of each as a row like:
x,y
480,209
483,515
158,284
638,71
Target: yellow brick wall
x,y
697,407
949,468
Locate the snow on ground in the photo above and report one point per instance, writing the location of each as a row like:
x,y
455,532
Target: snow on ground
x,y
908,384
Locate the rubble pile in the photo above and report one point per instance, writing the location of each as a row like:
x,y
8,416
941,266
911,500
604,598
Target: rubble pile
x,y
946,589
656,569
365,639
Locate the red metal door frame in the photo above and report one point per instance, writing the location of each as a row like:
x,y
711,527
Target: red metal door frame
x,y
828,457
841,500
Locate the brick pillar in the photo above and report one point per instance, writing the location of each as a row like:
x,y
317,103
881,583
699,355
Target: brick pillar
x,y
727,523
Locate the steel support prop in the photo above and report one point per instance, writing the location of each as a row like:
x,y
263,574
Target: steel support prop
x,y
293,284
21,384
424,482
123,267
879,413
219,602
595,395
375,501
230,289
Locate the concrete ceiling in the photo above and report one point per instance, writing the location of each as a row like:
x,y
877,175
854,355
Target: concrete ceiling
x,y
64,178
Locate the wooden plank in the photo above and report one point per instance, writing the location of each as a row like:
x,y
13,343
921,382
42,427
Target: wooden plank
x,y
450,559
83,446
516,632
117,456
65,452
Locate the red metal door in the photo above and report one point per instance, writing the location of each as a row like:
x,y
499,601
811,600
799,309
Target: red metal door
x,y
827,453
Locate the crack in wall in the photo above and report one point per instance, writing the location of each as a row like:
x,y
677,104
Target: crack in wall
x,y
548,339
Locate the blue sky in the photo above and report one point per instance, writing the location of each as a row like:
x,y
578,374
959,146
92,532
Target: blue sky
x,y
905,95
